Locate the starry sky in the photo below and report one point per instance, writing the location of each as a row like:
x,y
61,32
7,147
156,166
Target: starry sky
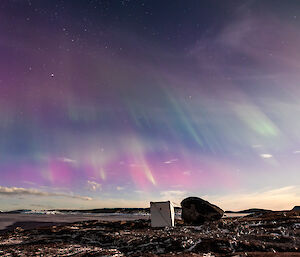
x,y
116,103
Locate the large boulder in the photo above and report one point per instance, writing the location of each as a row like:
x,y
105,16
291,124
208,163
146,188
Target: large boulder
x,y
296,208
196,211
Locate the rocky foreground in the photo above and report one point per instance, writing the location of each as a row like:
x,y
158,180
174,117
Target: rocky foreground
x,y
268,234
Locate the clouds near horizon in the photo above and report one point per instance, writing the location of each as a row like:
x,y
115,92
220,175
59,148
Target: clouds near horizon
x,y
13,191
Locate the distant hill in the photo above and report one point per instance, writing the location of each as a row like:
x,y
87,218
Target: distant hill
x,y
107,210
252,210
16,211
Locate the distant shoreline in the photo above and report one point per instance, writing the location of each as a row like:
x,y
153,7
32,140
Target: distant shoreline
x,y
122,210
9,220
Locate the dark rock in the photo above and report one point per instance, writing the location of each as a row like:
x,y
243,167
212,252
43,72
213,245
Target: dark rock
x,y
296,208
196,211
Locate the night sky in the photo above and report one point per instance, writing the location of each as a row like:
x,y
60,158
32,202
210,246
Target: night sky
x,y
116,103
